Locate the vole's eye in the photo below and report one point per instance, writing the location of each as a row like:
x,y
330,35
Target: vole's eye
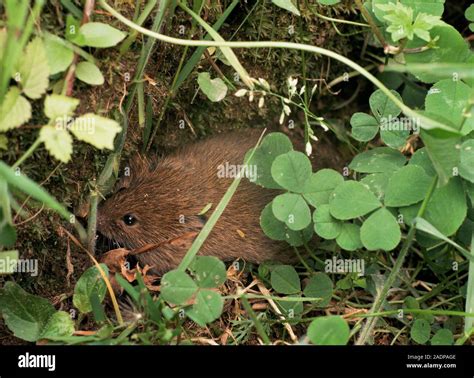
x,y
129,219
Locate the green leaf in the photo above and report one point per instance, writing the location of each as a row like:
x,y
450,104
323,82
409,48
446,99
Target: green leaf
x,y
377,183
451,48
291,170
324,224
58,54
278,230
444,154
319,286
73,26
177,287
59,324
293,210
466,166
380,159
291,310
433,7
89,73
25,314
382,107
422,159
469,14
57,141
320,185
14,111
380,231
407,186
96,130
98,34
394,134
364,127
442,337
34,69
420,331
59,106
285,280
8,259
448,98
447,208
329,330
208,271
272,146
90,281
349,238
207,307
287,5
214,89
352,199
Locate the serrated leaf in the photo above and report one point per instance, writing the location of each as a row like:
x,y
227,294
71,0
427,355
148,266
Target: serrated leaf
x,y
34,69
214,89
58,54
352,199
57,141
380,231
98,34
89,73
59,106
96,130
14,111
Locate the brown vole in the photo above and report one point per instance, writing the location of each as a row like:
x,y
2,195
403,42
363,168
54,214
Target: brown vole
x,y
159,202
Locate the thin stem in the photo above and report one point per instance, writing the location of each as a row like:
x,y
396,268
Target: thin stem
x,y
28,153
258,325
370,324
371,22
425,122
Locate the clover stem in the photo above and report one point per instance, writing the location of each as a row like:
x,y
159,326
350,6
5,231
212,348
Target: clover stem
x,y
28,153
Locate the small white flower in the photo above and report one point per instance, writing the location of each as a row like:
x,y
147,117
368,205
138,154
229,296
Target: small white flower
x,y
282,118
286,109
261,102
240,93
251,96
313,137
302,89
292,85
264,84
286,100
314,89
309,148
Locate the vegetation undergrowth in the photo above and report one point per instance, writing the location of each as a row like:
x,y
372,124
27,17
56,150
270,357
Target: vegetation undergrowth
x,y
394,257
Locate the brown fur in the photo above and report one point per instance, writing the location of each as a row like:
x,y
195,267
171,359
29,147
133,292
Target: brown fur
x,y
159,191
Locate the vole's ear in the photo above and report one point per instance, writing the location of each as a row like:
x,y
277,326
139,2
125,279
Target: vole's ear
x,y
132,171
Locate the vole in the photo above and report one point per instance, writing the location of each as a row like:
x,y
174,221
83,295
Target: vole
x,y
160,200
